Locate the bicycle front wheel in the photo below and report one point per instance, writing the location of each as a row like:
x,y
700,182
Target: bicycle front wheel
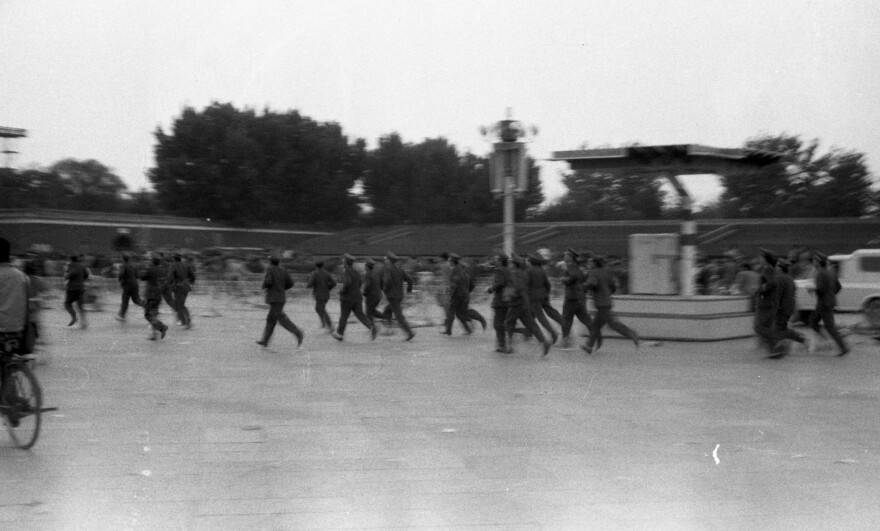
x,y
22,406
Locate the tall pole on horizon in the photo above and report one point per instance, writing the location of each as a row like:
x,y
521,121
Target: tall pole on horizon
x,y
509,172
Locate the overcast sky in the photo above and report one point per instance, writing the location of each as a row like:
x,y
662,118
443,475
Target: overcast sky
x,y
94,79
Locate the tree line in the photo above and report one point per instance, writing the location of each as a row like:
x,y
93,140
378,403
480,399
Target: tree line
x,y
248,168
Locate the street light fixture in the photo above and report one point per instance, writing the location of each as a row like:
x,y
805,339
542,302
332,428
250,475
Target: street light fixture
x,y
509,171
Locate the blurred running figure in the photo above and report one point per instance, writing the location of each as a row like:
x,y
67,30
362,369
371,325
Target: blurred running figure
x,y
501,282
787,304
827,287
372,290
154,276
128,281
392,285
575,303
75,289
460,286
603,285
180,287
276,282
539,296
519,308
351,300
321,282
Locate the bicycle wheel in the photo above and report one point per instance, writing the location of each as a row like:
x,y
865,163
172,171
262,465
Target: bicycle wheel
x,y
22,406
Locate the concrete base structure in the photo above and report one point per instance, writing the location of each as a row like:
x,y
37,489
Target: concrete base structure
x,y
674,318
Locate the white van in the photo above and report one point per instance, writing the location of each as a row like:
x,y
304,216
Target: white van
x,y
859,276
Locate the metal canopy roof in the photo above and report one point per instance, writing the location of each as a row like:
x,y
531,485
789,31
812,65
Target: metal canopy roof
x,y
679,158
12,132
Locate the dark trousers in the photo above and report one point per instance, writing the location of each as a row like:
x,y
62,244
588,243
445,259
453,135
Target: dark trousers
x,y
371,305
572,308
551,311
180,296
346,309
168,296
321,310
393,308
826,316
75,296
604,316
458,307
522,311
784,331
765,327
151,314
277,315
129,293
498,324
537,307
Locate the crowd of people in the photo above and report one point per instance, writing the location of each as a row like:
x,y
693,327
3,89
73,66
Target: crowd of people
x,y
520,289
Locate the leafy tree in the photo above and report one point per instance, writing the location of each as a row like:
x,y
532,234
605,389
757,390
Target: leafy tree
x,y
431,182
92,186
594,195
802,184
241,167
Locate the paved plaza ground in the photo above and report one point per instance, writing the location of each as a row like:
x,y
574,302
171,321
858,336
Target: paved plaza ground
x,y
205,430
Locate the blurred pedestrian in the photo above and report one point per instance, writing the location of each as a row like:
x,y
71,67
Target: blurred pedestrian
x,y
787,305
603,286
501,287
372,290
459,289
575,302
393,279
519,309
128,281
827,288
179,282
351,300
75,288
321,282
153,276
767,303
276,282
539,296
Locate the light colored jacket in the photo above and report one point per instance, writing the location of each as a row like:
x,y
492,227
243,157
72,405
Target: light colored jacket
x,y
13,298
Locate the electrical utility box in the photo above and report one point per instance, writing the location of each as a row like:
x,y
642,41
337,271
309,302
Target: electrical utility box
x,y
653,264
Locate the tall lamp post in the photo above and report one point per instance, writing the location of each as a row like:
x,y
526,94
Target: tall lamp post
x,y
509,171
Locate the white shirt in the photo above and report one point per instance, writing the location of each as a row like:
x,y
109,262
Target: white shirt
x,y
13,298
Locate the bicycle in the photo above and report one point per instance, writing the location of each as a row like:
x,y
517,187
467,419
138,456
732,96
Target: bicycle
x,y
21,399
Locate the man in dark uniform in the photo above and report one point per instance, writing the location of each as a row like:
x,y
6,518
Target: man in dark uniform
x,y
372,290
460,286
501,281
392,285
180,287
539,296
827,288
767,303
351,300
153,276
128,281
165,281
321,282
602,284
276,282
75,277
787,303
519,307
575,303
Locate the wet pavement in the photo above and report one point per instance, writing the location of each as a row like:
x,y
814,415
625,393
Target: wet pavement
x,y
206,430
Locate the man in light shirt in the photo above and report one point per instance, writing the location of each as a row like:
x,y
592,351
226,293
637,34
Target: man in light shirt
x,y
13,293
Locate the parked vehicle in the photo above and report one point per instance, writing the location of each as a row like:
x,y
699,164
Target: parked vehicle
x,y
859,276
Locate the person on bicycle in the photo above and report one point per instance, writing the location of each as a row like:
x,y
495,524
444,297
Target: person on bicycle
x,y
13,294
